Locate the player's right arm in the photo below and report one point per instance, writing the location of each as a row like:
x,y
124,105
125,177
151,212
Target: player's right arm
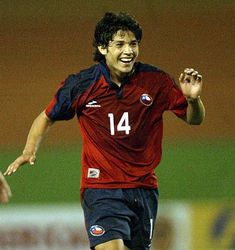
x,y
37,132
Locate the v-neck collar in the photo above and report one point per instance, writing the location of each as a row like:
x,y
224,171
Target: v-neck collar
x,y
106,71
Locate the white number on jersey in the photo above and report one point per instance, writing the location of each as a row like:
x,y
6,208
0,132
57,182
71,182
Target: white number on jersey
x,y
123,124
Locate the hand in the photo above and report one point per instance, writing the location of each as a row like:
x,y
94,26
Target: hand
x,y
20,161
190,83
5,190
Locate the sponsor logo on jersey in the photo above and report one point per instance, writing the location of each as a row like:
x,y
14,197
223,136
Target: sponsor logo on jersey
x,y
93,173
97,230
93,104
146,99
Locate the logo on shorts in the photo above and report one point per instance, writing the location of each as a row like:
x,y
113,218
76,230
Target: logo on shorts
x,y
146,99
97,230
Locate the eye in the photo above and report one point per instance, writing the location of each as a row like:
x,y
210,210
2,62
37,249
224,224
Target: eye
x,y
118,45
134,44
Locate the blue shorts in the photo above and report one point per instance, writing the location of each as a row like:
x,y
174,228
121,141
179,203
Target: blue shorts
x,y
127,214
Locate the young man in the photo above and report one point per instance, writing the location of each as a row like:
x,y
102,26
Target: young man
x,y
5,191
119,103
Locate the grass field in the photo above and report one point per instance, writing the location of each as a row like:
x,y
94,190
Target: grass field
x,y
198,171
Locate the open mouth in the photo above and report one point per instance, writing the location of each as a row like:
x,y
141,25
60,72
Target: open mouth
x,y
126,60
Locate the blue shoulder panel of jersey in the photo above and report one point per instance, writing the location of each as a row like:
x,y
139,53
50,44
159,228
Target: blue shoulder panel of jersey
x,y
81,81
141,67
73,86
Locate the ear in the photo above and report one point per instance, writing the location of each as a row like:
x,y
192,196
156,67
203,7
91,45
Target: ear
x,y
103,50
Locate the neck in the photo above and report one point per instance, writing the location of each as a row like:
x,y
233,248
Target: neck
x,y
116,76
116,79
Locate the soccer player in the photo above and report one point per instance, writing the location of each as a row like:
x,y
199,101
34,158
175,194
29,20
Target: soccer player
x,y
119,103
5,190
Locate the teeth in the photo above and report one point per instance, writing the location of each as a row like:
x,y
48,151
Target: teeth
x,y
126,60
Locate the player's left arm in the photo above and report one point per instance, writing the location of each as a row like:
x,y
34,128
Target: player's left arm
x,y
191,85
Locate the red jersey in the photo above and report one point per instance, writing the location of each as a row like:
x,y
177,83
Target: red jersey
x,y
121,127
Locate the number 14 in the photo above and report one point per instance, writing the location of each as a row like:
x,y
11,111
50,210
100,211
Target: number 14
x,y
123,124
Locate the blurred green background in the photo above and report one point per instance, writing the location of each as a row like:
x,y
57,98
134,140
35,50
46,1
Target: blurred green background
x,y
44,41
188,171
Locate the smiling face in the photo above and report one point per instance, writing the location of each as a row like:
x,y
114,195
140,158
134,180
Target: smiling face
x,y
121,54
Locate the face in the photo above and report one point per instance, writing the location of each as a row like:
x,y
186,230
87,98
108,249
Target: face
x,y
121,53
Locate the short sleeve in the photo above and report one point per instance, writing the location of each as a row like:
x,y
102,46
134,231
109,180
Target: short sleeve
x,y
62,107
177,103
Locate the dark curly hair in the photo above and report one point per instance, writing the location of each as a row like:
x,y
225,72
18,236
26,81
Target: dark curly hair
x,y
108,26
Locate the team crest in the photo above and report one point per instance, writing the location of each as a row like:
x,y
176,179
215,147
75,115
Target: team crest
x,y
146,99
97,230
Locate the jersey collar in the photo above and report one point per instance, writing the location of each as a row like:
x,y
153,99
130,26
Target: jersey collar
x,y
106,72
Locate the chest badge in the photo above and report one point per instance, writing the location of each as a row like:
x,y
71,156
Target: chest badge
x,y
146,99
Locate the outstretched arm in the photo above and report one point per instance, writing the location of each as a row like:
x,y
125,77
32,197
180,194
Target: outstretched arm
x,y
191,86
37,132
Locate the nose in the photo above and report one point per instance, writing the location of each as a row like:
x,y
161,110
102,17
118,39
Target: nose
x,y
127,49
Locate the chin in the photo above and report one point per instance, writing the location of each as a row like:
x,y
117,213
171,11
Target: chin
x,y
126,69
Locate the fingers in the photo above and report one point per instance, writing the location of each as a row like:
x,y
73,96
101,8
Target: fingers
x,y
21,160
12,168
188,71
181,78
199,78
32,160
196,76
190,76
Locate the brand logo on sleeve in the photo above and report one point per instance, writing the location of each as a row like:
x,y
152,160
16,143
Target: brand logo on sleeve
x,y
93,104
93,173
97,230
146,99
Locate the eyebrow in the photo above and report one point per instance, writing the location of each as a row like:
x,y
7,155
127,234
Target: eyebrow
x,y
134,40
